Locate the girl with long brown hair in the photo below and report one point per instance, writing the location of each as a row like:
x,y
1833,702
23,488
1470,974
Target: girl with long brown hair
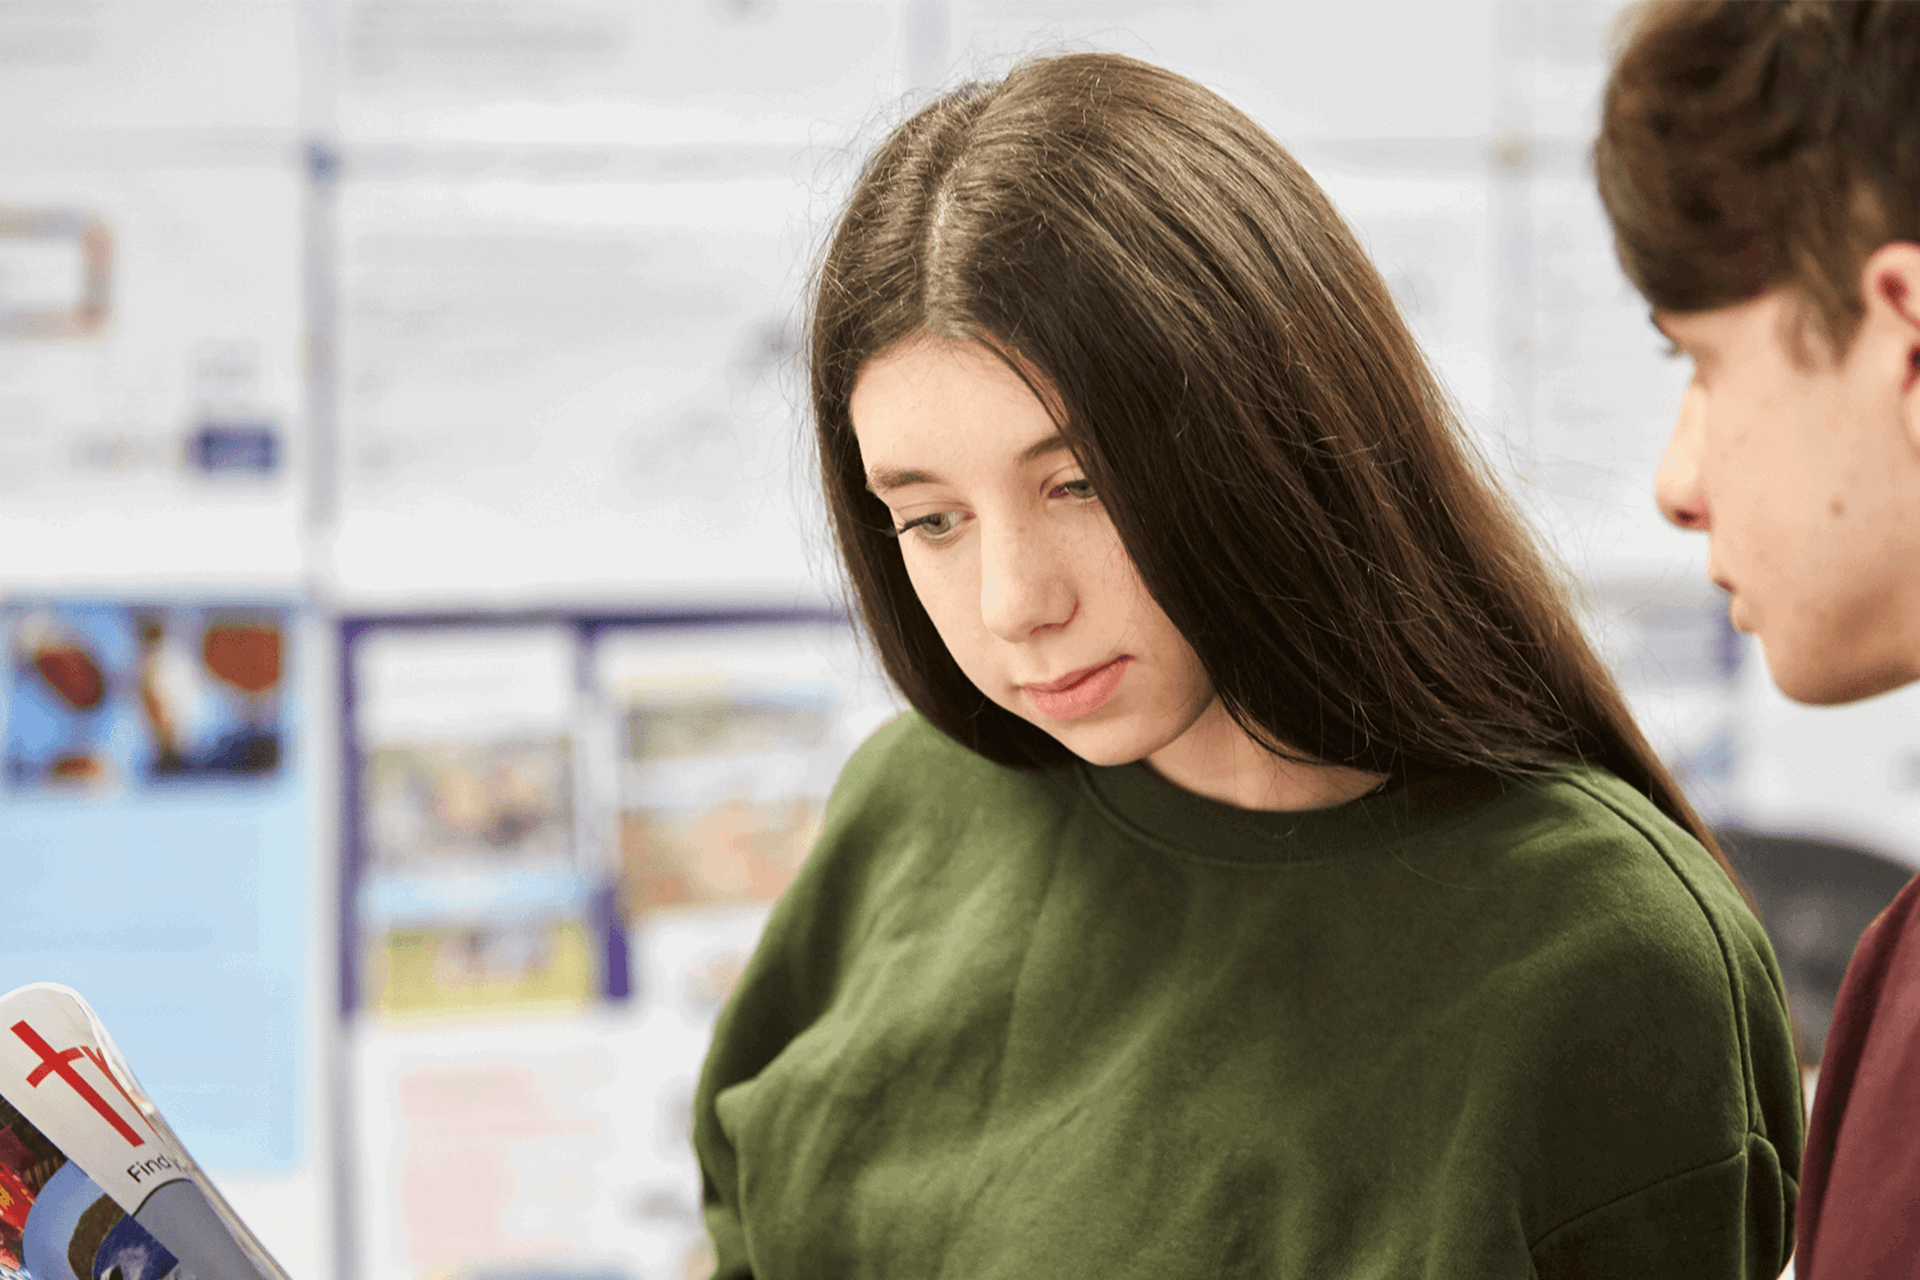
x,y
1268,879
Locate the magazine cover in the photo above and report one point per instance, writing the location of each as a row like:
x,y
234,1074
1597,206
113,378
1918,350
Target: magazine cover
x,y
93,1184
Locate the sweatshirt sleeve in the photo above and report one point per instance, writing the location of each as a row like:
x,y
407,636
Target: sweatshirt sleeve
x,y
1680,1227
751,1031
1674,1054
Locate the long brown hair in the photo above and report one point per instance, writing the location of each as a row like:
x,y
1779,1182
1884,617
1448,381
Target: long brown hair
x,y
1232,373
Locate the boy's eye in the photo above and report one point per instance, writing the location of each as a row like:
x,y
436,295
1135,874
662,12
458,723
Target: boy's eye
x,y
1081,489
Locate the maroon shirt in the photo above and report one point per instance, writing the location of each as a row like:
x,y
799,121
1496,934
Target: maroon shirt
x,y
1859,1215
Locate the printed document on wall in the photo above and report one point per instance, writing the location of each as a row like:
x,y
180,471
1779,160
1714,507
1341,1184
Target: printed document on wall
x,y
571,389
150,376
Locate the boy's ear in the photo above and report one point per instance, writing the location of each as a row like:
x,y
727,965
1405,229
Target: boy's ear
x,y
1890,287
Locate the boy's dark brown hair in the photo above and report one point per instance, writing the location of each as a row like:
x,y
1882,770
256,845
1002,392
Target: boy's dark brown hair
x,y
1231,371
1750,144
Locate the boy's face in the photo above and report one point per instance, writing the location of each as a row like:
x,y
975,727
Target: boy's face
x,y
1804,471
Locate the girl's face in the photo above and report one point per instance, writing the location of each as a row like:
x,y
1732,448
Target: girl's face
x,y
1016,562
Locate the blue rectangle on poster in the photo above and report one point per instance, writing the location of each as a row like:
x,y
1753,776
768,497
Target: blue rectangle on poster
x,y
154,847
236,448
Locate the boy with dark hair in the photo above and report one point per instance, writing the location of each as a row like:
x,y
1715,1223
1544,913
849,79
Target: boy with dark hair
x,y
1760,162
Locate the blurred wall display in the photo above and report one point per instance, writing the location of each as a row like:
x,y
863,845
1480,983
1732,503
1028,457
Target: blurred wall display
x,y
159,835
151,422
563,390
1847,773
56,266
571,237
1603,396
153,212
211,67
153,234
649,783
480,1150
468,922
62,728
727,748
155,822
1682,667
472,887
1431,81
686,962
600,73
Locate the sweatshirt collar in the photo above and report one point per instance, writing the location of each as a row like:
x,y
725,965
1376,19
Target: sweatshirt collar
x,y
1137,799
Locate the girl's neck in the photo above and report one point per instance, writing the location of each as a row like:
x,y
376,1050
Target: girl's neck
x,y
1215,758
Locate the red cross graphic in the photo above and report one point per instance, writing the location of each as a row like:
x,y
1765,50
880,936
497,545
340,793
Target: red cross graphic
x,y
61,1064
99,1060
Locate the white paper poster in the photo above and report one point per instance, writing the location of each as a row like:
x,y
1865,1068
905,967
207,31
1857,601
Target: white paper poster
x,y
572,390
151,382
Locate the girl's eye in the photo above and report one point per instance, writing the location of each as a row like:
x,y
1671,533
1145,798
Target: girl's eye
x,y
933,528
1081,489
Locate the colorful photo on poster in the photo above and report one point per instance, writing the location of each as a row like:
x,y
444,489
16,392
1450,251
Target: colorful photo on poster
x,y
721,796
451,970
101,693
469,804
729,738
57,1224
472,899
72,720
210,690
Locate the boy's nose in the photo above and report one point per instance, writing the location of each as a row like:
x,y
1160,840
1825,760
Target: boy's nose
x,y
1676,486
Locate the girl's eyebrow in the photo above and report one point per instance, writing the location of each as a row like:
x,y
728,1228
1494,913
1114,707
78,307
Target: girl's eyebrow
x,y
886,479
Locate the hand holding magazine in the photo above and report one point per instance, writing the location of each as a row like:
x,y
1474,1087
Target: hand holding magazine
x,y
93,1184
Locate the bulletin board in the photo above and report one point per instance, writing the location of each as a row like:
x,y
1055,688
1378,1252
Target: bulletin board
x,y
562,833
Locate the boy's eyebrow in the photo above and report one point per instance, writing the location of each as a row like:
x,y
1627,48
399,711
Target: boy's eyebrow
x,y
886,479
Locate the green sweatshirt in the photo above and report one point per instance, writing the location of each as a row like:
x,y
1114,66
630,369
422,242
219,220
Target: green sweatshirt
x,y
1084,1023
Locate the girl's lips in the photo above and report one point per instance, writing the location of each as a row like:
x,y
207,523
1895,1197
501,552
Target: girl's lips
x,y
1080,693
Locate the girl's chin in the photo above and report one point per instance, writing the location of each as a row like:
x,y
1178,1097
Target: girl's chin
x,y
1104,744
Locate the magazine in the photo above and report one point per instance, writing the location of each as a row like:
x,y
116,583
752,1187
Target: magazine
x,y
93,1184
